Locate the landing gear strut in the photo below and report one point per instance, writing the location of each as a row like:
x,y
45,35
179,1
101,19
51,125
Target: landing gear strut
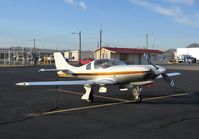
x,y
88,96
91,97
136,92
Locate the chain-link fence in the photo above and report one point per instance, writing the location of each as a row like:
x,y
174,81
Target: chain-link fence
x,y
25,56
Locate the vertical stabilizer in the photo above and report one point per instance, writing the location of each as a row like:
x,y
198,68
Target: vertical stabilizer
x,y
60,62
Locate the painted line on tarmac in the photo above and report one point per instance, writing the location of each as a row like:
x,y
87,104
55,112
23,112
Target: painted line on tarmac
x,y
124,100
75,109
168,96
104,97
104,105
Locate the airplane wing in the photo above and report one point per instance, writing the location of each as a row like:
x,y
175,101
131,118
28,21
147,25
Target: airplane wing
x,y
75,82
170,75
54,83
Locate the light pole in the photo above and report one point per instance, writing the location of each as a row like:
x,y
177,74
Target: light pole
x,y
80,43
34,44
100,43
147,39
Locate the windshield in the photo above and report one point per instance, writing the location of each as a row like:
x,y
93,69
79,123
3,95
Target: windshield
x,y
106,63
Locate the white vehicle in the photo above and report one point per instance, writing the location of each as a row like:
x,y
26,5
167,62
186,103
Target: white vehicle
x,y
104,72
186,59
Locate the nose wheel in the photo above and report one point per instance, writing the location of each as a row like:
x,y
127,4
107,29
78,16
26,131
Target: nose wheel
x,y
136,92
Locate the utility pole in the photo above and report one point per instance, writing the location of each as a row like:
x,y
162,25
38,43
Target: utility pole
x,y
147,40
100,42
34,44
80,44
9,56
4,56
34,57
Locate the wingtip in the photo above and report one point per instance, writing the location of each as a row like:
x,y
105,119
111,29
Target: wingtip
x,y
22,84
41,70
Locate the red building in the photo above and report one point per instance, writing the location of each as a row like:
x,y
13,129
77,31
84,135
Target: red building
x,y
128,55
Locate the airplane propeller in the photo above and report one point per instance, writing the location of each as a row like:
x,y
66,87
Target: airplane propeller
x,y
146,56
168,80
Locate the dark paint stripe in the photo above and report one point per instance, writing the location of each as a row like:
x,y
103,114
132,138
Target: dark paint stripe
x,y
110,73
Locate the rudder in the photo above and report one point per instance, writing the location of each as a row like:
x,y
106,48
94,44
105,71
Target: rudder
x,y
60,62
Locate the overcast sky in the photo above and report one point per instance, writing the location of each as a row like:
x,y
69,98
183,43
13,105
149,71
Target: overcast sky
x,y
125,23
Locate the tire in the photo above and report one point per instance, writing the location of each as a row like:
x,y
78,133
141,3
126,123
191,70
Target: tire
x,y
139,100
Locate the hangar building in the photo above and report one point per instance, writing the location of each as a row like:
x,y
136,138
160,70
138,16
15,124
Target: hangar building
x,y
128,55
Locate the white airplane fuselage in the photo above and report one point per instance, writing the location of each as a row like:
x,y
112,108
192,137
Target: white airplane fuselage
x,y
118,73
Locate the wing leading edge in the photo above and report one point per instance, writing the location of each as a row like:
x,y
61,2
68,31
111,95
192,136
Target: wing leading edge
x,y
53,83
75,82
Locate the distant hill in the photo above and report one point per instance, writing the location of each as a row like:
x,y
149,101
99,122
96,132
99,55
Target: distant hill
x,y
193,45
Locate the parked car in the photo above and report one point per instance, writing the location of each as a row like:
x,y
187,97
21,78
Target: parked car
x,y
186,59
86,60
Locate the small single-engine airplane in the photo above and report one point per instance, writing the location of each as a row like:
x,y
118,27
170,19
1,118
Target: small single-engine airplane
x,y
104,72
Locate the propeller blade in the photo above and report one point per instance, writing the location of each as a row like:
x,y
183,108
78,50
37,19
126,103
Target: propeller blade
x,y
168,79
146,56
164,75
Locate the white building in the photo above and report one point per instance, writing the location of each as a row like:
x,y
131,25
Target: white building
x,y
194,52
73,55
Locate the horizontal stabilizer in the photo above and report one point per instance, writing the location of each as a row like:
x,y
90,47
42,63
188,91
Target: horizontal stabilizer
x,y
51,70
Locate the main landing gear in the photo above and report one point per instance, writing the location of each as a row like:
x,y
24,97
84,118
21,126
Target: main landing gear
x,y
136,92
88,96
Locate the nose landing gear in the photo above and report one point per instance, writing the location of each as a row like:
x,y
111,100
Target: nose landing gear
x,y
136,92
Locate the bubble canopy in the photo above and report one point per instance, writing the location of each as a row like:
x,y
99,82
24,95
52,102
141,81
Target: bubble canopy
x,y
106,63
